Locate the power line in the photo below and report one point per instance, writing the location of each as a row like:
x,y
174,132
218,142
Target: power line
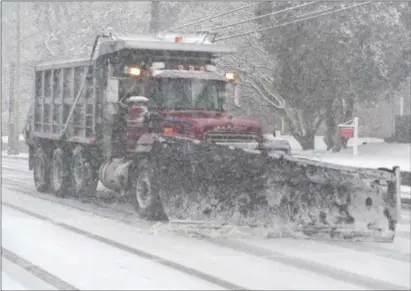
x,y
261,16
211,17
291,22
315,12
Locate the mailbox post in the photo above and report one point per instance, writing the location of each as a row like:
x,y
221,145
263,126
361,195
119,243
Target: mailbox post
x,y
348,130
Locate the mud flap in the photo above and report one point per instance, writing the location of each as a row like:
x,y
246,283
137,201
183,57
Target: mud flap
x,y
201,181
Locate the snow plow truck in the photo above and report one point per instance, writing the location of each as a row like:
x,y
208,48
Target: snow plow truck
x,y
146,117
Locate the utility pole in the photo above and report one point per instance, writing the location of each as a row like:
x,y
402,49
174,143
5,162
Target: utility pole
x,y
11,144
14,134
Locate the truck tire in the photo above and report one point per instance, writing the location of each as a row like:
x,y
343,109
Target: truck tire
x,y
60,173
41,170
84,176
144,195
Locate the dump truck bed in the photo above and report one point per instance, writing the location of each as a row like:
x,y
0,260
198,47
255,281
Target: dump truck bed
x,y
56,87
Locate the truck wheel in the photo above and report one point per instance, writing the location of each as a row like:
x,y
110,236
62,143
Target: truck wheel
x,y
144,195
41,170
60,173
84,175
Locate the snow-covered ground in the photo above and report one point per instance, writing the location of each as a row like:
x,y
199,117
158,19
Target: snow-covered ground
x,y
370,155
86,263
14,277
91,252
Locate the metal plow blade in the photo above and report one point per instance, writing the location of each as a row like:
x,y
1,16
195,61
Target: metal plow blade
x,y
199,181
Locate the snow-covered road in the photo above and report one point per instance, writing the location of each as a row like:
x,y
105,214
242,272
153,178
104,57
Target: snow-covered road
x,y
50,243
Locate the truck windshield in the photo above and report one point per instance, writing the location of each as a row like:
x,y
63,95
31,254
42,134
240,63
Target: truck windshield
x,y
182,94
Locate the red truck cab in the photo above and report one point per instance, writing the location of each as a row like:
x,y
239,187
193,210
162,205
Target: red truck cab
x,y
191,104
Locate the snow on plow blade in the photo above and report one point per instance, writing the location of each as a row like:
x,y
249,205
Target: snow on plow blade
x,y
200,181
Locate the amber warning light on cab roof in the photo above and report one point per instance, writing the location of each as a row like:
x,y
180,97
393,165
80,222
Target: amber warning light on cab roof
x,y
136,71
230,76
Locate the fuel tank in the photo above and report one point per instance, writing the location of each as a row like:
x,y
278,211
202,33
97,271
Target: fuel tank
x,y
114,174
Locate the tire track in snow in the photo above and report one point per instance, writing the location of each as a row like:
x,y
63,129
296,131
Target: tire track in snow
x,y
338,274
187,270
377,251
37,271
302,264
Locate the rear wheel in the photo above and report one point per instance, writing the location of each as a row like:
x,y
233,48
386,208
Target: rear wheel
x,y
84,176
41,170
60,173
144,195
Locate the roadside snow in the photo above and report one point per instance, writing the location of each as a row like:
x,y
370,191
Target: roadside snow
x,y
370,155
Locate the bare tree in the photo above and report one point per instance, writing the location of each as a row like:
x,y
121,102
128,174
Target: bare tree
x,y
327,65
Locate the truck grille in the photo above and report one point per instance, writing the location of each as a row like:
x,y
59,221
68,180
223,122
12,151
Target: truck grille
x,y
214,137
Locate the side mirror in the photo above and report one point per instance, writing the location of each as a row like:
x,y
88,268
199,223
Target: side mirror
x,y
140,102
237,95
